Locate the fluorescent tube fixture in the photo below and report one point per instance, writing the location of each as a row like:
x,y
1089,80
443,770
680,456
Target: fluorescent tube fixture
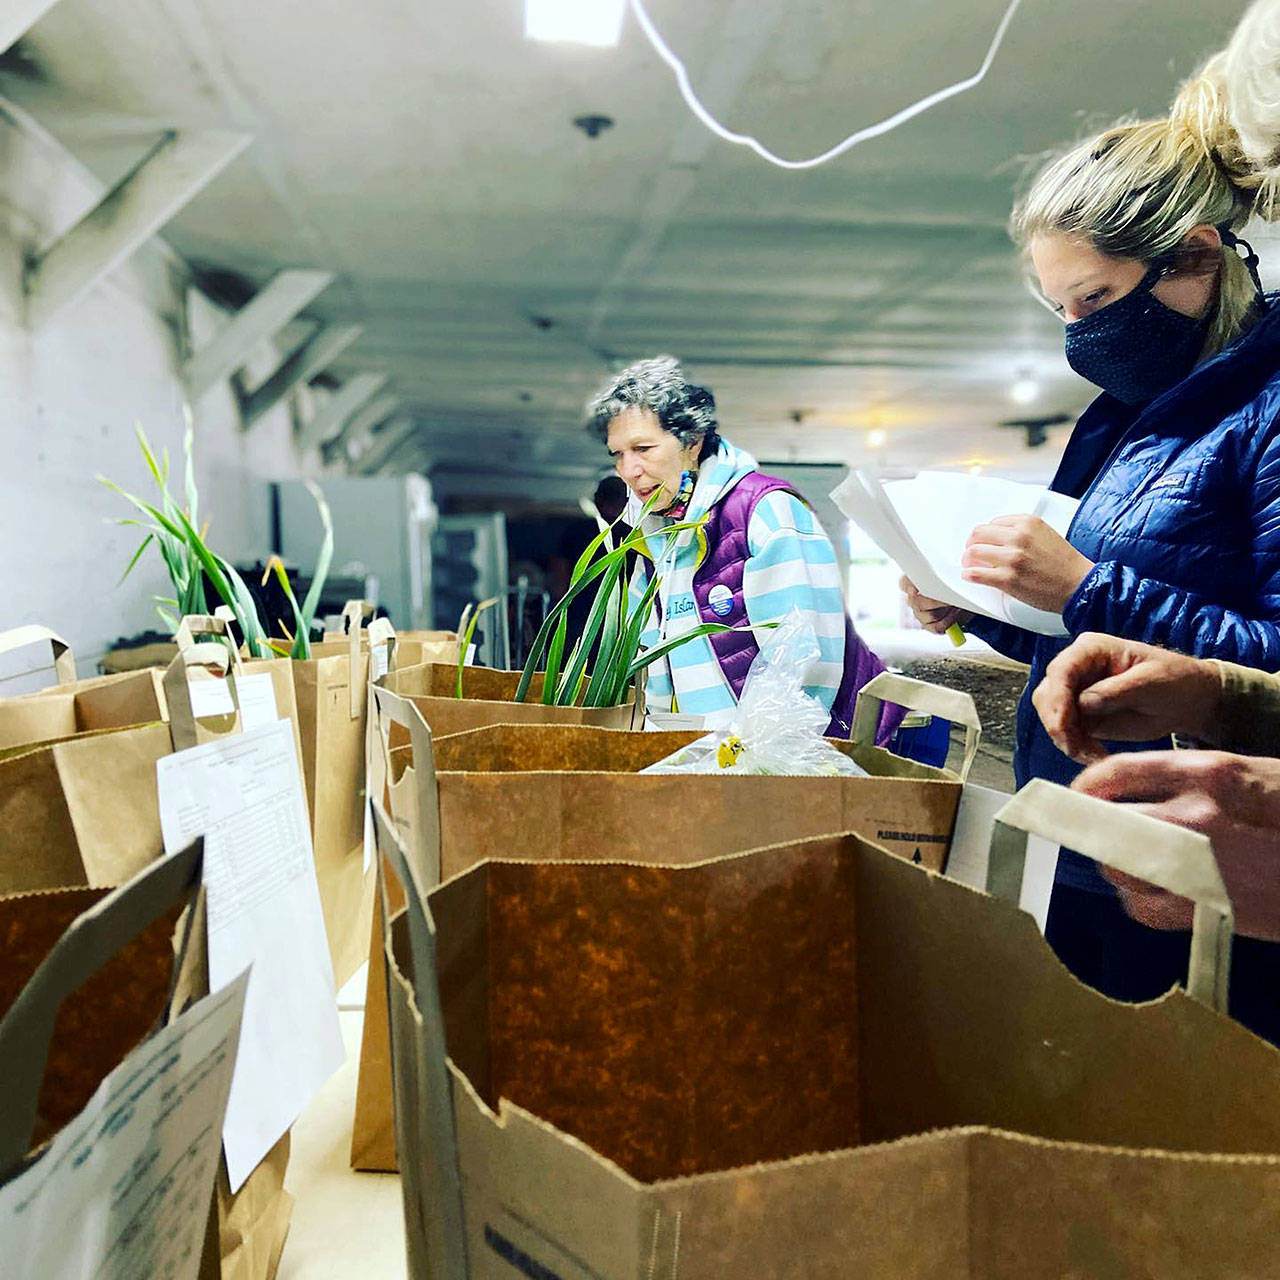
x,y
1024,390
594,22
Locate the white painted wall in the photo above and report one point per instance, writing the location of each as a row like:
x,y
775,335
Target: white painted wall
x,y
70,396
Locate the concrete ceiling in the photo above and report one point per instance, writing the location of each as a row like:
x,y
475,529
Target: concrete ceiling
x,y
502,263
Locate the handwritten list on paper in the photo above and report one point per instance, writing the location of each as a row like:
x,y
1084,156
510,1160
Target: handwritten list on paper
x,y
243,793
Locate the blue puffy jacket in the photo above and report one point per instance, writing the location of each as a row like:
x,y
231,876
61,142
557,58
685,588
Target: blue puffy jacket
x,y
1180,513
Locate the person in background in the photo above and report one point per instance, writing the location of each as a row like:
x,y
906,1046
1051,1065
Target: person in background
x,y
1133,238
758,551
610,501
1103,689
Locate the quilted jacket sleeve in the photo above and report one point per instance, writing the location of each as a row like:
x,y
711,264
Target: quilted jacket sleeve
x,y
1115,599
1003,637
1249,715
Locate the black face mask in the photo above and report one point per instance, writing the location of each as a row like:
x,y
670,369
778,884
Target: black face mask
x,y
1136,348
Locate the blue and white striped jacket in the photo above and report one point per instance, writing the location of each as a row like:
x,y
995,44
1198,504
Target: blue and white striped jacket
x,y
792,564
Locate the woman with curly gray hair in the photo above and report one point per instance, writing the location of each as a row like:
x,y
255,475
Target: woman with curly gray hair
x,y
757,553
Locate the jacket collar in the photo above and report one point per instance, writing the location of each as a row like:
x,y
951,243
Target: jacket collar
x,y
1221,385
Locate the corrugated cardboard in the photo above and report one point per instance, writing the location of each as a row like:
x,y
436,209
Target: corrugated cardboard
x,y
565,792
811,1060
488,698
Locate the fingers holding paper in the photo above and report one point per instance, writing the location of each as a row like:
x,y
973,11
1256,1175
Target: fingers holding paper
x,y
1102,688
1234,800
1025,558
932,615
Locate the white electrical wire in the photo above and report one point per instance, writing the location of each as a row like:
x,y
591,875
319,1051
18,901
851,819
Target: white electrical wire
x,y
871,131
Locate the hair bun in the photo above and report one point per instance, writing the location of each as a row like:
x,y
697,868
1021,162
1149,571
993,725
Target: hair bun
x,y
1248,73
1201,114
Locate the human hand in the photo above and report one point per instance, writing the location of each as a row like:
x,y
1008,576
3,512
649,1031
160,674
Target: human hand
x,y
932,615
1234,800
1102,687
1025,558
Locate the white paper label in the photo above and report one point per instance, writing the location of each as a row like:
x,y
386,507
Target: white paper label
x,y
123,1190
257,694
212,697
243,793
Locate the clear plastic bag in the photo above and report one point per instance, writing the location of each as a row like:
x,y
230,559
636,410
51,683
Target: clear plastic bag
x,y
777,728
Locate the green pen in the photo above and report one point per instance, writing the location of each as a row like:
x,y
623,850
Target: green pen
x,y
955,633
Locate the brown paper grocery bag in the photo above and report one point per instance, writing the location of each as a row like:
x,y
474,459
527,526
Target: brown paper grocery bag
x,y
253,1224
73,705
81,706
564,791
71,1011
86,976
332,699
82,812
87,812
817,1060
82,809
412,648
572,792
62,660
488,697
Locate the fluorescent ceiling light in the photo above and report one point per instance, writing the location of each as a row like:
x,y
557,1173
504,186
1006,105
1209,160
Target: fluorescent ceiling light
x,y
1024,390
594,22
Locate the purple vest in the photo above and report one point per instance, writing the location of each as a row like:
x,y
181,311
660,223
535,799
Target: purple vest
x,y
727,554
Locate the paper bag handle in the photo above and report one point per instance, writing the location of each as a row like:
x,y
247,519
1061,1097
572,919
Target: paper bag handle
x,y
400,710
640,687
354,613
91,940
916,695
194,625
177,692
1117,836
431,1089
382,632
64,662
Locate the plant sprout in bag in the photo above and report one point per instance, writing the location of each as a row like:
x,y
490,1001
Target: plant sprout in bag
x,y
778,727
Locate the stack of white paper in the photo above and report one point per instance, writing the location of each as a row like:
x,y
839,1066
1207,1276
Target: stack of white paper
x,y
922,525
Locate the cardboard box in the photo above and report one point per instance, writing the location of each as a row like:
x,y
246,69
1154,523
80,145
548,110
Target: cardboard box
x,y
811,1060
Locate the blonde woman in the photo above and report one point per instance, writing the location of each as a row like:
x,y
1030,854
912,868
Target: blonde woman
x,y
1133,239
